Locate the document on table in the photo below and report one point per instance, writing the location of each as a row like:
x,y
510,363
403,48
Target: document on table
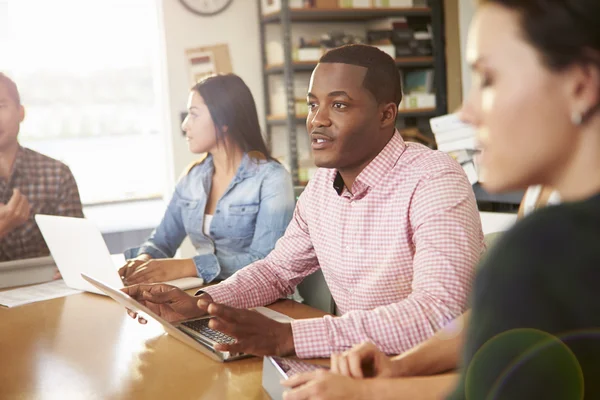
x,y
32,294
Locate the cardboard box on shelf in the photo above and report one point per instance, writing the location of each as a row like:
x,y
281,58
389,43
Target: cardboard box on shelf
x,y
310,53
419,100
392,3
326,4
355,3
390,49
269,6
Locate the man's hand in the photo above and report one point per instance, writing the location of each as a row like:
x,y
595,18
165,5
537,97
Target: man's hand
x,y
15,213
362,361
169,302
254,333
153,271
322,385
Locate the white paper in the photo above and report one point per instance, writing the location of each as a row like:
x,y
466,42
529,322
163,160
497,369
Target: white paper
x,y
32,294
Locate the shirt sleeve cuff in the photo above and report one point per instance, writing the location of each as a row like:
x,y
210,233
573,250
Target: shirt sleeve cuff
x,y
220,294
311,338
131,253
207,266
144,249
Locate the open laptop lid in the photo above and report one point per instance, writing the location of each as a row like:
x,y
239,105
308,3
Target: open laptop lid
x,y
276,368
77,247
128,302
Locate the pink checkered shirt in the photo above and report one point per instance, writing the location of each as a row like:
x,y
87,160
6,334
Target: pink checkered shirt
x,y
398,253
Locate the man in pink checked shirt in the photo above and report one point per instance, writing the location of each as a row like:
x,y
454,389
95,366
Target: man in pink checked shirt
x,y
394,227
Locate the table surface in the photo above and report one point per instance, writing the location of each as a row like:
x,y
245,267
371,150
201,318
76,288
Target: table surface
x,y
84,346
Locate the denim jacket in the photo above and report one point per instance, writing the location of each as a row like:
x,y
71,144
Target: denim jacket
x,y
250,217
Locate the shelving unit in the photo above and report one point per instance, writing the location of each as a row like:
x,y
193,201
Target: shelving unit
x,y
286,16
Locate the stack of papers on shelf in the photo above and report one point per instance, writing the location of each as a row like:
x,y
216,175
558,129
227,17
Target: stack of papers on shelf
x,y
457,139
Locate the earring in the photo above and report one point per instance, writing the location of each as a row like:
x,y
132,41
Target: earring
x,y
576,118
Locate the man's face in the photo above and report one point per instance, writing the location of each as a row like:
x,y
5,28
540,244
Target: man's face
x,y
11,116
344,119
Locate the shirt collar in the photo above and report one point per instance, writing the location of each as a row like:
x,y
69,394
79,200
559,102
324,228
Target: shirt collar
x,y
372,174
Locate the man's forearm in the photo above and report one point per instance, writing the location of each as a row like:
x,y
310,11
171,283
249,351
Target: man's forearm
x,y
414,388
438,354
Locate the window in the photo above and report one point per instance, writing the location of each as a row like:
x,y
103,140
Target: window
x,y
88,73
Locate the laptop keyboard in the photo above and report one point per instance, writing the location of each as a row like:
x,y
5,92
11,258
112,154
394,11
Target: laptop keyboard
x,y
201,326
292,367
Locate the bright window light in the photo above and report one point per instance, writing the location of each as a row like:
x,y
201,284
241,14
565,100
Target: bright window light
x,y
88,74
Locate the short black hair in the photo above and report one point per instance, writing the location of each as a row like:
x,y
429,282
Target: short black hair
x,y
11,86
382,78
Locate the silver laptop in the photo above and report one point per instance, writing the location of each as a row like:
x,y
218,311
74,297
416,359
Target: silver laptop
x,y
77,246
276,368
193,332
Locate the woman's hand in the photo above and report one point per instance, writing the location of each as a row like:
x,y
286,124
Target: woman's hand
x,y
138,271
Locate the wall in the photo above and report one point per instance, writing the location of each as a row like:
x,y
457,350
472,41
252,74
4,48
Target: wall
x,y
466,11
237,27
453,54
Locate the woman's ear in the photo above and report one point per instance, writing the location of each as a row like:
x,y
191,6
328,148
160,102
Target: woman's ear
x,y
584,90
224,129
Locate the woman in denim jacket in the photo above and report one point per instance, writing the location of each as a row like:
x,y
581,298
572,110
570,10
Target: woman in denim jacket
x,y
234,203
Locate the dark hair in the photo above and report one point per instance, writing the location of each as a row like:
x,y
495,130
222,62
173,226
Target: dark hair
x,y
382,78
231,104
11,86
565,32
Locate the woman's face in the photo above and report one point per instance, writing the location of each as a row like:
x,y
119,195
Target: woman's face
x,y
520,108
199,128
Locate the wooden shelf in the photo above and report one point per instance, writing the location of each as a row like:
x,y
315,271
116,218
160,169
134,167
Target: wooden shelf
x,y
417,112
346,14
278,120
308,66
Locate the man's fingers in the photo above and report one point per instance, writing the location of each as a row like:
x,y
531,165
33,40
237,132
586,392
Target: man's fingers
x,y
231,347
135,291
162,294
142,321
14,199
227,328
225,313
131,313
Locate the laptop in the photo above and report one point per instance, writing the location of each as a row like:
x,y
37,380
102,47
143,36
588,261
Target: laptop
x,y
77,246
276,368
194,332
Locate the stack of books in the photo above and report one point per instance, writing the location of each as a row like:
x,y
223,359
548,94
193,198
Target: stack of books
x,y
457,139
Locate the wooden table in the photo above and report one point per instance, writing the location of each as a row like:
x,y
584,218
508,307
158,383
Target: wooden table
x,y
85,346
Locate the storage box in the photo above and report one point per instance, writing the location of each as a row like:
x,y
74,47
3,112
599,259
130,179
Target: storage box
x,y
419,100
355,3
390,49
309,54
392,3
326,3
270,6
